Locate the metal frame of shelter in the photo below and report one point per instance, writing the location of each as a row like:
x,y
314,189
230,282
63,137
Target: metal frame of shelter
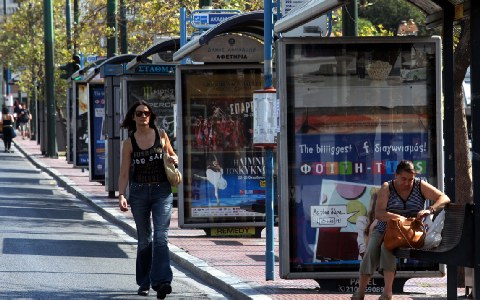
x,y
251,23
145,70
163,46
109,69
439,13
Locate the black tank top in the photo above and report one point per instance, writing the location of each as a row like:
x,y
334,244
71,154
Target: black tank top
x,y
148,164
7,122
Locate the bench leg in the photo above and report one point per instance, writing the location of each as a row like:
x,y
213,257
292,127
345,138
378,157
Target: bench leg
x,y
451,282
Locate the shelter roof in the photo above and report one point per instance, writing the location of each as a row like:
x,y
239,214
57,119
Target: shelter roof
x,y
114,60
311,9
163,46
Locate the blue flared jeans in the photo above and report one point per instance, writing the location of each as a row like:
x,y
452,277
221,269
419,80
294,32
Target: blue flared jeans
x,y
151,203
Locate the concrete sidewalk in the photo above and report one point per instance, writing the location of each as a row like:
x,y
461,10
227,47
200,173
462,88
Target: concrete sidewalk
x,y
233,265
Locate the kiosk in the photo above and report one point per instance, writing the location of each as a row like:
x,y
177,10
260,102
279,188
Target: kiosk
x,y
224,174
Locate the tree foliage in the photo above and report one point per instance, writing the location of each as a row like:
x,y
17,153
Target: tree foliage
x,y
389,13
22,35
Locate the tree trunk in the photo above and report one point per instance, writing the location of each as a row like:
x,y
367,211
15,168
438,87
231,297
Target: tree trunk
x,y
463,164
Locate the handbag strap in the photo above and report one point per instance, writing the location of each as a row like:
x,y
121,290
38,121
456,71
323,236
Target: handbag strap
x,y
401,232
404,237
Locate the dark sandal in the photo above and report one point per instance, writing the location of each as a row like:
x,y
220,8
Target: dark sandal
x,y
357,296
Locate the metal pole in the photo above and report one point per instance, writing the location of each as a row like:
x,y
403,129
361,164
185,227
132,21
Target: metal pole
x,y
349,18
475,92
33,108
267,73
112,24
6,69
68,21
183,26
205,3
123,28
448,134
49,79
75,26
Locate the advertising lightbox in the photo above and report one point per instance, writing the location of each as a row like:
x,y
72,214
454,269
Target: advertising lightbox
x,y
160,94
351,109
224,174
96,127
80,134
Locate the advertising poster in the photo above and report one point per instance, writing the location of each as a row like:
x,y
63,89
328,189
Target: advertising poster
x,y
81,132
160,94
224,172
337,178
354,110
97,119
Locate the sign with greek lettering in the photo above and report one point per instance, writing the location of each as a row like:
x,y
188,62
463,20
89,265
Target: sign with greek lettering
x,y
204,19
155,69
226,173
344,131
265,118
230,48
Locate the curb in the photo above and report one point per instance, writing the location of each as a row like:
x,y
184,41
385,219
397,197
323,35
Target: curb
x,y
227,283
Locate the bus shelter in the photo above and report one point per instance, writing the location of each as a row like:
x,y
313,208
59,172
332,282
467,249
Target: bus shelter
x,y
76,88
325,152
110,71
78,124
224,174
150,76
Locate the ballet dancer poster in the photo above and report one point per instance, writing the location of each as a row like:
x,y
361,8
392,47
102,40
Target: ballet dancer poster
x,y
225,174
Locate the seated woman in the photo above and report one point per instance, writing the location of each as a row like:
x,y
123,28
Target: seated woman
x,y
404,193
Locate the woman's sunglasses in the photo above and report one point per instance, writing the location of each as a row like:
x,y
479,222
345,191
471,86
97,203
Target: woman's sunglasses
x,y
139,113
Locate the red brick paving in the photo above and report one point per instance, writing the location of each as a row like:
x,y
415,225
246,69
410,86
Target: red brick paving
x,y
243,258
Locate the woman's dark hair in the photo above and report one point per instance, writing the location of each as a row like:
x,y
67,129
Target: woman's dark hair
x,y
129,122
5,110
407,166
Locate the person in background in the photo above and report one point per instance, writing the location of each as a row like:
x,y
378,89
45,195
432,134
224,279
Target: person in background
x,y
17,108
399,198
23,121
7,123
150,196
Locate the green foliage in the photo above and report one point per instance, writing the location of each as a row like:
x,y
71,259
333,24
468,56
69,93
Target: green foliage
x,y
22,35
390,13
365,27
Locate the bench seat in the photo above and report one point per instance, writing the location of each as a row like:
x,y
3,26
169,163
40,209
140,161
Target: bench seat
x,y
456,247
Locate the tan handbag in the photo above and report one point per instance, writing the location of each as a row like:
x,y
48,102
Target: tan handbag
x,y
173,174
407,234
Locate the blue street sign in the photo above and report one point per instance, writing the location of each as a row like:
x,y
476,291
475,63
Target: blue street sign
x,y
207,18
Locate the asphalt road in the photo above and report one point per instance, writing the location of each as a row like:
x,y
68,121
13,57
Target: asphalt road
x,y
54,246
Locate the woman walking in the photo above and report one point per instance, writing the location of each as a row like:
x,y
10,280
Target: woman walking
x,y
8,130
150,197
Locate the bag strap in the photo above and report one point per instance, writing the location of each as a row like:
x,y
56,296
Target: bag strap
x,y
403,235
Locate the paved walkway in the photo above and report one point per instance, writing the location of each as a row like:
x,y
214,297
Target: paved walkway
x,y
234,265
